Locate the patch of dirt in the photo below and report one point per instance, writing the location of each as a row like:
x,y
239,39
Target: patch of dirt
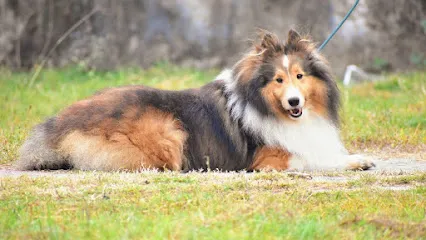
x,y
334,179
396,187
388,152
397,165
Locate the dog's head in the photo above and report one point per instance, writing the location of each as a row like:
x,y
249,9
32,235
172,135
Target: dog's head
x,y
287,80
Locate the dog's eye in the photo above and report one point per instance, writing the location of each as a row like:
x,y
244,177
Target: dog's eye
x,y
279,80
299,76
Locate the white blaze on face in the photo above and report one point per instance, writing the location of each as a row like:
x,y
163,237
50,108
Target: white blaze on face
x,y
286,62
286,65
292,92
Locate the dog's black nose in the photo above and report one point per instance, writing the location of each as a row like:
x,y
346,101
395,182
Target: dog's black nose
x,y
294,101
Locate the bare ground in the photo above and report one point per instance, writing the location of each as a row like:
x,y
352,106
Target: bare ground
x,y
393,167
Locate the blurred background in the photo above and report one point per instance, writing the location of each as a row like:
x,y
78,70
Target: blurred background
x,y
381,35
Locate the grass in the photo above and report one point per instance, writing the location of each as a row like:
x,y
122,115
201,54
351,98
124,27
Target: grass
x,y
389,115
149,205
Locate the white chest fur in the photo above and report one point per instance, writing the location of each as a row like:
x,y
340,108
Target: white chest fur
x,y
313,141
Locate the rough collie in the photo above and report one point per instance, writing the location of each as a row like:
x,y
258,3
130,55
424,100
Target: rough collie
x,y
276,109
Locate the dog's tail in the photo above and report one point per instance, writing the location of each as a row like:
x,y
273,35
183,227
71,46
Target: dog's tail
x,y
37,154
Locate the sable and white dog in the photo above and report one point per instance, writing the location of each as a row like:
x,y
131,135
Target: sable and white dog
x,y
277,108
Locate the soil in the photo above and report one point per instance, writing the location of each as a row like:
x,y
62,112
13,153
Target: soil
x,y
396,165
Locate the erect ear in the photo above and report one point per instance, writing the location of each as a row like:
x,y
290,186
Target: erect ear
x,y
293,37
268,42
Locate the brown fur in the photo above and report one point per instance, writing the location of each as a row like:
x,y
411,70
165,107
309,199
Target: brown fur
x,y
269,158
95,114
312,88
155,140
245,69
269,46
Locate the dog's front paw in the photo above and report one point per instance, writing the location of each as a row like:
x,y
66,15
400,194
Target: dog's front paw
x,y
359,163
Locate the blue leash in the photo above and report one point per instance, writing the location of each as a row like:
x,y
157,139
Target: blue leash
x,y
338,27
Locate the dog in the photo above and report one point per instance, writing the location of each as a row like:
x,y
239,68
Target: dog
x,y
277,108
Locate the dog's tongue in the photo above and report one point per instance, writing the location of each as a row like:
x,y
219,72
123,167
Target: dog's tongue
x,y
295,111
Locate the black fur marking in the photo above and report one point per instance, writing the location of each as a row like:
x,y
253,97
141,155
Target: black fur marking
x,y
254,96
252,91
63,165
117,114
218,128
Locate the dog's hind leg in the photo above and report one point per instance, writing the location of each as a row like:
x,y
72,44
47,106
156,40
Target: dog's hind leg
x,y
153,141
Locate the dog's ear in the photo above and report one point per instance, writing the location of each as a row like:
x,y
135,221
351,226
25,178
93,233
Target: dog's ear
x,y
268,42
293,37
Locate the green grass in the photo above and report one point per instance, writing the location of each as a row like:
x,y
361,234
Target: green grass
x,y
390,114
151,205
387,113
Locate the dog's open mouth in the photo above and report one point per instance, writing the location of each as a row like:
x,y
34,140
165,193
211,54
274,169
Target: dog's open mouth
x,y
295,112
